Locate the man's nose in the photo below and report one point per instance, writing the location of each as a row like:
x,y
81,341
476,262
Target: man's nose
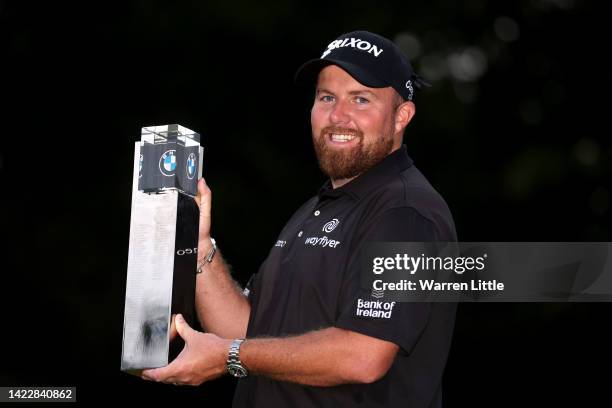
x,y
340,113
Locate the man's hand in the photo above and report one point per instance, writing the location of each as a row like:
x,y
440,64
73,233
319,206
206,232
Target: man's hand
x,y
203,200
203,358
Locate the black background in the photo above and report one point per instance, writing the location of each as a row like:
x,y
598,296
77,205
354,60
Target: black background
x,y
519,152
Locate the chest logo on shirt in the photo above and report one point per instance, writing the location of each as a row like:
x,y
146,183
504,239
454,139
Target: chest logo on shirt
x,y
322,242
330,226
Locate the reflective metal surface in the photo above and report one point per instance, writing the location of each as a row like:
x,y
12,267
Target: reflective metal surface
x,y
163,244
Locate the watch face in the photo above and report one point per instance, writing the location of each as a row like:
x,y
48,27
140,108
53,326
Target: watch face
x,y
237,370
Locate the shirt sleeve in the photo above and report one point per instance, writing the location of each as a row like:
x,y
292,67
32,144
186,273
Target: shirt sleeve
x,y
248,288
399,322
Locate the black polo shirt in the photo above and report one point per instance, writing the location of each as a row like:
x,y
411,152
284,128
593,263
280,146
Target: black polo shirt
x,y
311,280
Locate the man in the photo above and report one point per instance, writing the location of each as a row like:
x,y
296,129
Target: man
x,y
306,342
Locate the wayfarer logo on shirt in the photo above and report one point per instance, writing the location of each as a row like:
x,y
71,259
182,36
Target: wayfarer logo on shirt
x,y
374,308
322,242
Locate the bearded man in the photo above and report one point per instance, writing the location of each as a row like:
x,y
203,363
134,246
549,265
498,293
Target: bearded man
x,y
297,335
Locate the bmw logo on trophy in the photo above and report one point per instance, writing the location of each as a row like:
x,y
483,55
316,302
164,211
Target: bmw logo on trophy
x,y
163,244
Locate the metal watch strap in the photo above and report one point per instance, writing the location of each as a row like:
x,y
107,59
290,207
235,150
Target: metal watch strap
x,y
212,251
234,352
234,365
209,257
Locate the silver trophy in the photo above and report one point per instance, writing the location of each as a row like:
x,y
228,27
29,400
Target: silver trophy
x,y
163,244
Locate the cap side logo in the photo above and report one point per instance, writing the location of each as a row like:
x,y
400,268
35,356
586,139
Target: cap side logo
x,y
410,89
354,43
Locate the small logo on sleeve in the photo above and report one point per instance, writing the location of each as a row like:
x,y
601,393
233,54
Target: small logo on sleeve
x,y
378,293
374,308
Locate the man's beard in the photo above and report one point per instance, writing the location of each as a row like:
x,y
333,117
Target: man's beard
x,y
345,163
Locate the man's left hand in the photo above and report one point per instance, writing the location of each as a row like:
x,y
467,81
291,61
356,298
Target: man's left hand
x,y
203,358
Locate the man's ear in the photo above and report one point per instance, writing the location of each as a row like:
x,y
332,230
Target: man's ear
x,y
403,115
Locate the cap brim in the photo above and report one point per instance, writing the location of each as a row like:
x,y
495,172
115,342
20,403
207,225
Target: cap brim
x,y
309,72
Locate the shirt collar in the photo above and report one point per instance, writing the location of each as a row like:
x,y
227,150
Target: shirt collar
x,y
376,176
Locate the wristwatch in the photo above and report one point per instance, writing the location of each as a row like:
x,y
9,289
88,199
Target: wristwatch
x,y
234,366
209,256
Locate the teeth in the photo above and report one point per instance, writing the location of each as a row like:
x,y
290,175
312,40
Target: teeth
x,y
341,138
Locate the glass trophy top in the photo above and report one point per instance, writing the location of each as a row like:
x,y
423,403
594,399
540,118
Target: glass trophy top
x,y
169,157
170,133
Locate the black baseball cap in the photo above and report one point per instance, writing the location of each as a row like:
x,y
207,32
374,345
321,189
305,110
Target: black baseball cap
x,y
373,60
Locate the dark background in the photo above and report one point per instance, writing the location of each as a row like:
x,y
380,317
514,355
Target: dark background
x,y
512,133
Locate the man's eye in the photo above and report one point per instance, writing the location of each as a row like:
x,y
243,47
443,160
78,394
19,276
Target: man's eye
x,y
327,98
361,100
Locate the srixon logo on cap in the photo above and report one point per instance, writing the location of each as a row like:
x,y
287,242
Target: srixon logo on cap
x,y
355,43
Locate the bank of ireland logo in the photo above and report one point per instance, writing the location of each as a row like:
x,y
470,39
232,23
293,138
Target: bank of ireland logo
x,y
140,161
191,165
378,293
167,162
331,225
